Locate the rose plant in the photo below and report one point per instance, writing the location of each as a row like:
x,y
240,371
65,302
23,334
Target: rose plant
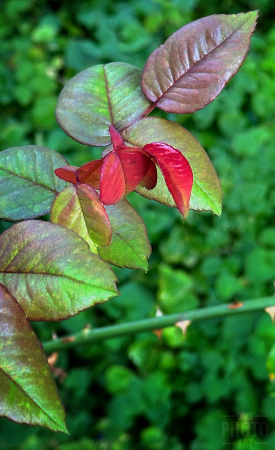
x,y
52,270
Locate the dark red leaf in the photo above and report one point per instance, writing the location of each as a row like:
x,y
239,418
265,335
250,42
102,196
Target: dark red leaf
x,y
67,173
151,177
135,165
176,171
112,182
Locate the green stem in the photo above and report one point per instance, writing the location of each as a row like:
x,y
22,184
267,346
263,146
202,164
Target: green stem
x,y
88,336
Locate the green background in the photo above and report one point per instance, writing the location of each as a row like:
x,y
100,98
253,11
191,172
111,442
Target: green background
x,y
174,392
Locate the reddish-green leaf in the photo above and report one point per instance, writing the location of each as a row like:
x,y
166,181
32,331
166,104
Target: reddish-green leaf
x,y
51,271
176,171
129,246
206,192
28,183
194,64
79,208
28,393
98,97
112,182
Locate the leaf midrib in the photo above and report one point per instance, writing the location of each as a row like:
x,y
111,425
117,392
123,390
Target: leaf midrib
x,y
25,393
29,181
198,62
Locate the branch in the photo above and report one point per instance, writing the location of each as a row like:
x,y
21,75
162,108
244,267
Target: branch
x,y
88,336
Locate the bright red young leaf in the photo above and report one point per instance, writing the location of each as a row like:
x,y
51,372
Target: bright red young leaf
x,y
176,171
112,182
124,168
67,173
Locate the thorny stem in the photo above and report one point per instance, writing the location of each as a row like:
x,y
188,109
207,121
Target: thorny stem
x,y
88,336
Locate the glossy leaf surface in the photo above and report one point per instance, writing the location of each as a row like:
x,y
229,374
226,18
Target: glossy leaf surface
x,y
192,67
176,171
112,182
79,208
98,97
51,272
135,165
27,180
129,246
28,393
90,173
67,173
206,192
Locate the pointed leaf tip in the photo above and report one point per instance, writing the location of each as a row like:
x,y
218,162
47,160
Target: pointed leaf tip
x,y
177,173
191,68
28,392
206,191
116,137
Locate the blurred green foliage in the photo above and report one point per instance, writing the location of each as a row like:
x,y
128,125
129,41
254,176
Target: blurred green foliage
x,y
175,391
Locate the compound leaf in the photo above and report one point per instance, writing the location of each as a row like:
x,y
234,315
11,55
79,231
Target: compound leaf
x,y
28,393
27,180
129,246
194,64
98,97
51,271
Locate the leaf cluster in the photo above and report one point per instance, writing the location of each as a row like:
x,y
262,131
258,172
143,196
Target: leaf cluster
x,y
156,229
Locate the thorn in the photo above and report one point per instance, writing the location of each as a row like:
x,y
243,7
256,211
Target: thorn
x,y
183,325
235,304
52,359
271,312
158,333
68,339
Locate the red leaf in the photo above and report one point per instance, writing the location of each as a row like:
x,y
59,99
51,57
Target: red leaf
x,y
151,177
135,165
89,173
67,173
176,171
116,137
112,182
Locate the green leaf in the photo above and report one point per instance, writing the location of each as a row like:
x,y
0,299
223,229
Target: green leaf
x,y
80,209
28,392
51,272
195,63
206,192
98,97
175,291
129,246
28,182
